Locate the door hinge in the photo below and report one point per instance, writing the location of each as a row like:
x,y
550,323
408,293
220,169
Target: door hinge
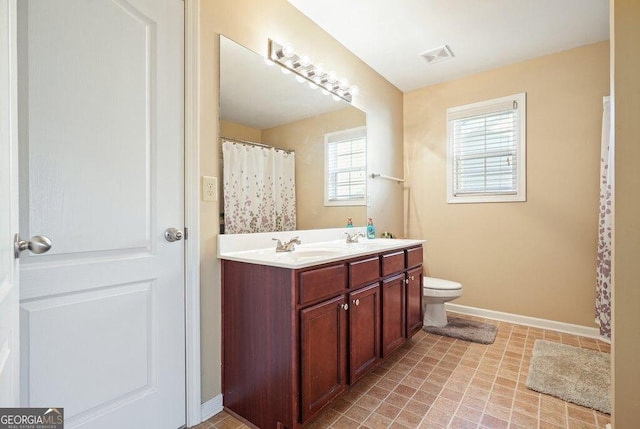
x,y
186,233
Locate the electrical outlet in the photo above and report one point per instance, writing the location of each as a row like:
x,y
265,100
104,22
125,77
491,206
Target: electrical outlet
x,y
209,188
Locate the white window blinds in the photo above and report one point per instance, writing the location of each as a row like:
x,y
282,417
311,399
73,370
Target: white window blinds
x,y
486,151
345,167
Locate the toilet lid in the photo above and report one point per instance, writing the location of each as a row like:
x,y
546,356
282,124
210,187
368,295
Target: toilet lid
x,y
440,284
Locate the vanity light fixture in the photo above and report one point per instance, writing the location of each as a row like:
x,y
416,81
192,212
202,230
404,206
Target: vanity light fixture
x,y
316,75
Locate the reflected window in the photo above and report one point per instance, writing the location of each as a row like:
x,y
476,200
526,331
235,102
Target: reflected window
x,y
345,167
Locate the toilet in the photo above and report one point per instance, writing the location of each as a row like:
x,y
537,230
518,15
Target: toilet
x,y
435,293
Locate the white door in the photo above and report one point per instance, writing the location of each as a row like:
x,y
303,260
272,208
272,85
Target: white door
x,y
101,161
9,334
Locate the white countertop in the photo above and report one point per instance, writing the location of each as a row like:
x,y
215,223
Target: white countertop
x,y
318,247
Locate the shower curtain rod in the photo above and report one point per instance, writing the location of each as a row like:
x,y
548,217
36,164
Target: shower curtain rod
x,y
255,144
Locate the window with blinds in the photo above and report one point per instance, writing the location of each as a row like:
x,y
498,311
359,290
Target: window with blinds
x,y
345,167
486,151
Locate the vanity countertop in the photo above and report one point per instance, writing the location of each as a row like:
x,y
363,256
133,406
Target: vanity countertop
x,y
315,249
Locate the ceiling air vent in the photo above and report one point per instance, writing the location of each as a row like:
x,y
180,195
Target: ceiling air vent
x,y
438,54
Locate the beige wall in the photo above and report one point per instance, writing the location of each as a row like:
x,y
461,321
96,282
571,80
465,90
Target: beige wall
x,y
251,23
311,212
626,294
234,130
535,258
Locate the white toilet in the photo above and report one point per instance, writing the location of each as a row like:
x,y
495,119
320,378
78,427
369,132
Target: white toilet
x,y
435,293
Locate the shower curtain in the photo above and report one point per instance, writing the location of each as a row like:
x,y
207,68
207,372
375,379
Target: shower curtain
x,y
259,189
603,274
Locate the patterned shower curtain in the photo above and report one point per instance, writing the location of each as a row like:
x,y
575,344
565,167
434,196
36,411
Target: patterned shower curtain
x,y
259,189
603,275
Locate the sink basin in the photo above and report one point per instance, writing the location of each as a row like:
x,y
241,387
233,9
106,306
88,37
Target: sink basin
x,y
365,244
308,253
377,243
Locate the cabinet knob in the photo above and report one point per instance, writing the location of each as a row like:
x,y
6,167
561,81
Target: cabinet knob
x,y
345,306
406,281
412,278
356,301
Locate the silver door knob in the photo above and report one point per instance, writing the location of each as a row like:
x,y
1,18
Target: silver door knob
x,y
173,234
38,244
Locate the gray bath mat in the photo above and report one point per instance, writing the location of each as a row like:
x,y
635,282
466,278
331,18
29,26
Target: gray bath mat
x,y
576,375
464,329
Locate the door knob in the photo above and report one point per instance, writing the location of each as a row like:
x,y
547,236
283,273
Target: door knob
x,y
173,234
38,244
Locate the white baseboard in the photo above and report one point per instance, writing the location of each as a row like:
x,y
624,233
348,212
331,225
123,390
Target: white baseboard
x,y
534,322
211,407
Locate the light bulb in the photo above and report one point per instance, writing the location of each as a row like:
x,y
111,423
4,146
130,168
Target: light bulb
x,y
336,98
325,92
300,79
343,83
355,90
268,62
287,50
285,70
312,85
319,69
333,76
305,61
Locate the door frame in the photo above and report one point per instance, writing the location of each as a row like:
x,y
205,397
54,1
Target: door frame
x,y
9,50
192,211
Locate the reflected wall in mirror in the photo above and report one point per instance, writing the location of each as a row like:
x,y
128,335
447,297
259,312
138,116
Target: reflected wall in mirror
x,y
261,104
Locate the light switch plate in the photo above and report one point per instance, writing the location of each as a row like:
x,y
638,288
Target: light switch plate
x,y
209,188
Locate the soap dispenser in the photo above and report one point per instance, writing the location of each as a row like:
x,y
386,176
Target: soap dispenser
x,y
371,229
349,223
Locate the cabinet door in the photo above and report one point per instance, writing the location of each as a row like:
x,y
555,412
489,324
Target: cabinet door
x,y
393,314
364,330
323,350
414,301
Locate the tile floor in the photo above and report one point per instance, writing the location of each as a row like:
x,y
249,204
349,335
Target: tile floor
x,y
438,382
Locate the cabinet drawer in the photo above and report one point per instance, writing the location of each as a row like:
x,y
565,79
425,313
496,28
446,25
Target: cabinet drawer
x,y
321,283
392,263
364,272
414,257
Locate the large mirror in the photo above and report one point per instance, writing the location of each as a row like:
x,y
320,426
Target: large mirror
x,y
261,104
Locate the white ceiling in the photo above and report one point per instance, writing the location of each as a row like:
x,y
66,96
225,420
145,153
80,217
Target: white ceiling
x,y
482,34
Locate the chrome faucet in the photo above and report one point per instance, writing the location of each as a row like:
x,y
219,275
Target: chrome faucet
x,y
289,246
354,238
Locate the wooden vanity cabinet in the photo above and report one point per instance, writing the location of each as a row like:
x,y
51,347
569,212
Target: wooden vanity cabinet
x,y
293,340
414,294
414,301
327,353
364,330
393,314
401,297
323,353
